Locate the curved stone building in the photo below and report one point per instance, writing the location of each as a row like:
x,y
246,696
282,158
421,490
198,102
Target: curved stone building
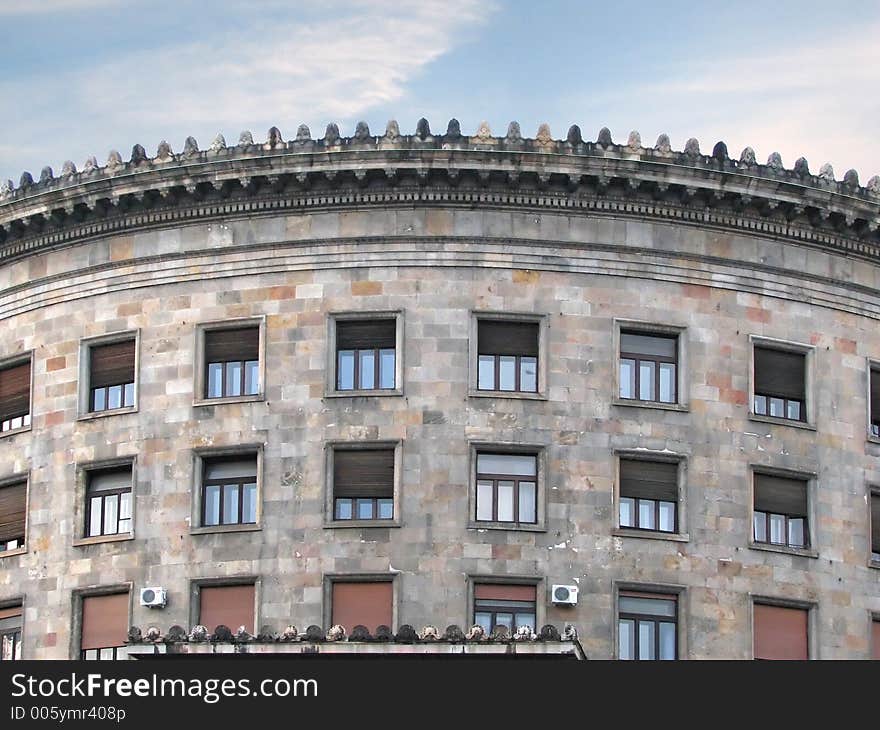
x,y
400,381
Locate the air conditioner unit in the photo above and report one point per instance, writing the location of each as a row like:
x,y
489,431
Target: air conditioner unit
x,y
153,597
565,595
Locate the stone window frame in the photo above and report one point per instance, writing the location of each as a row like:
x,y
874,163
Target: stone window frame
x,y
809,353
76,598
328,579
682,373
539,581
195,595
873,616
199,364
17,478
873,366
80,492
811,478
682,611
21,602
199,456
543,322
330,447
540,452
681,534
811,607
873,490
12,361
397,315
84,380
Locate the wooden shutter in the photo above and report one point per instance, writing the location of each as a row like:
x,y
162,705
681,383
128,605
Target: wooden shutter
x,y
647,345
13,506
496,337
104,621
111,364
232,345
367,604
366,334
363,473
875,523
781,633
780,495
231,606
875,639
15,391
233,467
503,592
10,612
649,479
780,373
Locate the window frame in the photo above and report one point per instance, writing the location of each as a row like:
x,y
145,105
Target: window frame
x,y
195,595
657,329
200,365
12,361
367,577
10,481
811,607
18,603
543,370
199,458
809,352
682,611
330,448
873,366
81,512
873,492
118,491
539,582
330,379
77,596
681,460
810,550
84,386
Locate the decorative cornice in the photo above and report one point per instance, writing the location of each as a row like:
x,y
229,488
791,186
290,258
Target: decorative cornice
x,y
450,169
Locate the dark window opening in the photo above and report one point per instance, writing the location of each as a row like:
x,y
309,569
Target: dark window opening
x,y
647,626
363,484
15,396
111,376
232,362
875,526
13,510
366,354
500,604
649,495
648,367
108,502
780,384
507,354
229,490
10,633
875,402
507,488
780,514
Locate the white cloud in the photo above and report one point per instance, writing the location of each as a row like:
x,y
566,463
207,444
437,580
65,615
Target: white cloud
x,y
37,7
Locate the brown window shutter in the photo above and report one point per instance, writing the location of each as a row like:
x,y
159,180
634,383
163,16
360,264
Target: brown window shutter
x,y
649,594
363,473
10,612
780,633
365,604
649,479
498,337
875,639
13,505
236,467
875,395
780,495
648,345
780,373
366,334
231,606
15,391
104,621
111,364
504,592
875,523
232,345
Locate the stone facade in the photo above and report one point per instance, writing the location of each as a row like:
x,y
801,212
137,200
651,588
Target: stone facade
x,y
584,235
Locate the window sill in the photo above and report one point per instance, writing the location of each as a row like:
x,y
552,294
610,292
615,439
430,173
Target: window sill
x,y
83,541
12,553
510,526
231,399
871,563
363,393
212,529
15,431
782,422
651,534
472,393
679,407
784,549
342,524
102,414
870,439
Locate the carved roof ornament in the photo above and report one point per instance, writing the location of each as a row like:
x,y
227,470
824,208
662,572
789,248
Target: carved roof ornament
x,y
274,139
222,633
873,185
360,633
26,180
331,135
392,131
134,635
453,129
245,139
266,634
423,129
383,633
747,158
851,179
692,147
719,152
453,633
336,633
514,134
604,138
114,162
544,138
429,633
524,633
362,132
802,167
190,147
475,633
242,634
484,134
303,134
154,633
46,174
176,633
574,137
68,169
219,143
5,189
198,633
826,172
549,633
634,142
314,633
290,633
774,162
500,633
90,165
663,145
138,155
569,633
406,634
164,153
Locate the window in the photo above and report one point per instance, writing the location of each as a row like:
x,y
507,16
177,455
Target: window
x,y
501,604
780,511
362,603
779,383
649,495
366,354
232,362
13,512
363,484
111,376
15,396
647,626
875,638
875,525
874,400
104,625
108,502
648,367
229,490
507,355
227,605
10,633
780,632
507,488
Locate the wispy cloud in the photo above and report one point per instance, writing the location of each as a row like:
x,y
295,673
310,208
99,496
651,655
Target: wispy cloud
x,y
43,7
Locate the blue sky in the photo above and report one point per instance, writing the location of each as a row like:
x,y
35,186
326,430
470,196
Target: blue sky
x,y
82,77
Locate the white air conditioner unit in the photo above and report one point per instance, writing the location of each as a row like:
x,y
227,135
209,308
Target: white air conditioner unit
x,y
565,595
153,597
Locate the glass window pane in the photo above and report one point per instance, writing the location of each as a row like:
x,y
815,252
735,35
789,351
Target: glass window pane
x,y
125,505
386,369
114,397
367,360
106,654
249,504
364,509
505,501
646,380
504,619
100,399
252,377
667,640
386,509
6,647
343,509
646,514
111,512
626,630
527,502
124,526
528,374
484,500
508,464
647,606
230,504
667,516
26,420
212,505
486,373
796,535
215,380
761,405
525,619
507,372
794,410
777,407
627,512
233,378
484,619
95,520
627,378
667,382
777,529
760,523
345,370
646,639
129,395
